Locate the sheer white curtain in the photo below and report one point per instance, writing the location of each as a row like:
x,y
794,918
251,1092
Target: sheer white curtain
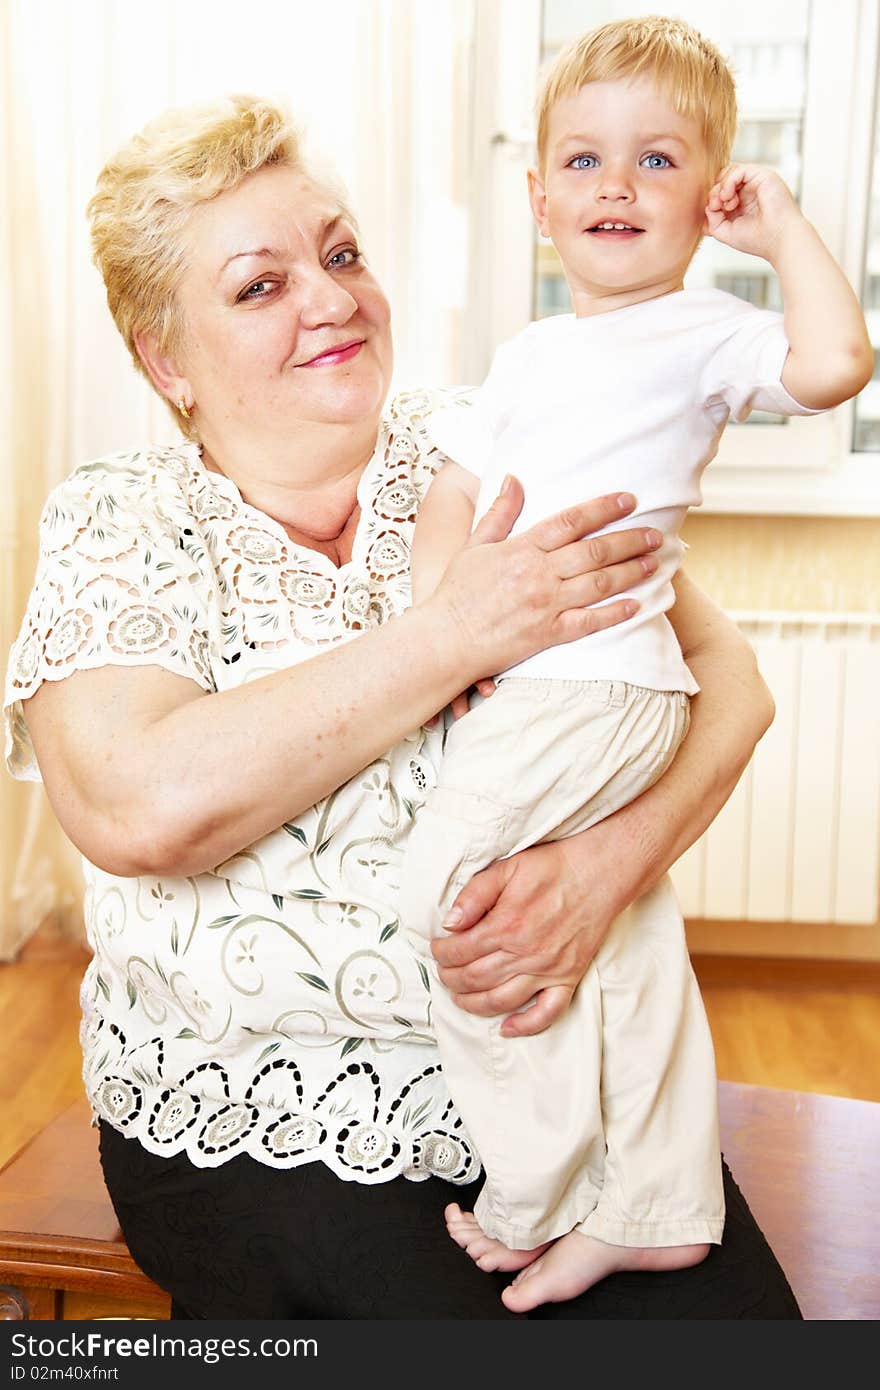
x,y
383,90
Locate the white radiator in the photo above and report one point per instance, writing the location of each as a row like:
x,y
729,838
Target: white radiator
x,y
799,840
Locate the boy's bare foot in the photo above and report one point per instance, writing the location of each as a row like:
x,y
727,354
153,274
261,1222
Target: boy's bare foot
x,y
576,1262
489,1254
561,1269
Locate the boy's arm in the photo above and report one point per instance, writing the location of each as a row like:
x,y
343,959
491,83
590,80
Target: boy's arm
x,y
830,356
444,524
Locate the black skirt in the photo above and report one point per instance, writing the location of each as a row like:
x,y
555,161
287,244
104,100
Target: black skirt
x,y
246,1241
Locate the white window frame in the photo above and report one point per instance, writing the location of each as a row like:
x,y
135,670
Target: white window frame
x,y
805,467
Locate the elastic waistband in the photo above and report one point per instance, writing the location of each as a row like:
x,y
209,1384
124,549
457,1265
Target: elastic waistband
x,y
615,693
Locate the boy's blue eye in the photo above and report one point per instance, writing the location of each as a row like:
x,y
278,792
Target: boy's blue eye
x,y
656,161
583,161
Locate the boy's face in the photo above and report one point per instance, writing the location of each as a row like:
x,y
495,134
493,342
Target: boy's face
x,y
623,193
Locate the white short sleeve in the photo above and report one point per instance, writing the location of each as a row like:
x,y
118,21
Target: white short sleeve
x,y
118,582
466,432
745,371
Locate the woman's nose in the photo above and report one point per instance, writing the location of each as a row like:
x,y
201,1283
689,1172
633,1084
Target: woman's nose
x,y
325,300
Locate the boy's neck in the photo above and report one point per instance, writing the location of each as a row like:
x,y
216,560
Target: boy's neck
x,y
588,301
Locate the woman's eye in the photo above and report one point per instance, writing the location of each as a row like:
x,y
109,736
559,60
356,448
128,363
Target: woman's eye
x,y
656,161
583,161
348,255
258,290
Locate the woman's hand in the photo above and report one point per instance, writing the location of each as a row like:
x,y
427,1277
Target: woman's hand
x,y
501,600
527,927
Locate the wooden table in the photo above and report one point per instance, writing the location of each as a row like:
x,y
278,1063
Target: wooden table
x,y
62,1255
809,1166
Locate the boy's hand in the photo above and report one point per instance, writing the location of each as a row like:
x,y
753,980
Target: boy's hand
x,y
749,208
461,704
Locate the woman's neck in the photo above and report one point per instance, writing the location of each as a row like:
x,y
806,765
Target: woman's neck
x,y
310,489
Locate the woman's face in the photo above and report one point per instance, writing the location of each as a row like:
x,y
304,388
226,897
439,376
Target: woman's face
x,y
283,322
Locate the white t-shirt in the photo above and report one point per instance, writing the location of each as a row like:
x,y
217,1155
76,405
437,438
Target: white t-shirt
x,y
634,400
271,1006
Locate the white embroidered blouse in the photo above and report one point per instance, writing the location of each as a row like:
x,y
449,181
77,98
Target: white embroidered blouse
x,y
272,1006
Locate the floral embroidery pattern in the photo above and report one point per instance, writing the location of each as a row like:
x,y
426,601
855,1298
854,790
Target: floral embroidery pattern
x,y
273,1006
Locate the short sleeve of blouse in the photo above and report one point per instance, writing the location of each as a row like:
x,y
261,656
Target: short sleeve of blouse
x,y
118,582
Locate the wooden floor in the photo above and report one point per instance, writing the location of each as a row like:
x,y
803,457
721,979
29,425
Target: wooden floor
x,y
795,1025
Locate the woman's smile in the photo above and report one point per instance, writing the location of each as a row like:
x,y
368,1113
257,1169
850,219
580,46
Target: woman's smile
x,y
331,357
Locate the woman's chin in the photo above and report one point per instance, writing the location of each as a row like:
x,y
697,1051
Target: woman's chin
x,y
348,399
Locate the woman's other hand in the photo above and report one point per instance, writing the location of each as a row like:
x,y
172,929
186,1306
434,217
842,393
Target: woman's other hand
x,y
502,599
528,927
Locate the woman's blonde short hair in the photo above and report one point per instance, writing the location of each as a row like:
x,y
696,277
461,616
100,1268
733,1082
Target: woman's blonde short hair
x,y
147,191
685,65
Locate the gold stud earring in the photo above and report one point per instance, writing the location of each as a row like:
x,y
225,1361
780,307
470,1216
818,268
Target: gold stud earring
x,y
183,408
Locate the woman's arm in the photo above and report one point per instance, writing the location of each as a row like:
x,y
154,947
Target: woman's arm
x,y
149,774
534,922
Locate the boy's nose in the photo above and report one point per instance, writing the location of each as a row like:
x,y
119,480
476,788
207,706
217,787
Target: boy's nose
x,y
614,186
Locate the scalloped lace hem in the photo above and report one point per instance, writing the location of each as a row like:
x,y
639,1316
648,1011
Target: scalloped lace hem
x,y
358,1148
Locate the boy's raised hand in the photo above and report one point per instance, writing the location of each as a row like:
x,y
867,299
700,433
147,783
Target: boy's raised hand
x,y
830,357
749,208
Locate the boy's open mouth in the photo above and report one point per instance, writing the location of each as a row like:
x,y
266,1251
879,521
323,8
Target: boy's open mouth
x,y
609,228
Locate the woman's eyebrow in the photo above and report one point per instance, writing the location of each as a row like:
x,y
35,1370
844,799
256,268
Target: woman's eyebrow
x,y
259,251
326,225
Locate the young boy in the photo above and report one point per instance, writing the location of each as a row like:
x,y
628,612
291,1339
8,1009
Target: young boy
x,y
599,1136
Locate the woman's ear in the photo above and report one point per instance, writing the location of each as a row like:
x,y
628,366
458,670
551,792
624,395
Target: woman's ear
x,y
162,369
538,200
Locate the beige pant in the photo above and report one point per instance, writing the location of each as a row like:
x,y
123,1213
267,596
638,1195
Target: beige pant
x,y
607,1121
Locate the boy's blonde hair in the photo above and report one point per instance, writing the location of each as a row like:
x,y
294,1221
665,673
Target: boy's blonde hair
x,y
683,64
147,191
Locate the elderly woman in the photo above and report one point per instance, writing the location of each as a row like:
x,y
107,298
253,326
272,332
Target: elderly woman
x,y
240,775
